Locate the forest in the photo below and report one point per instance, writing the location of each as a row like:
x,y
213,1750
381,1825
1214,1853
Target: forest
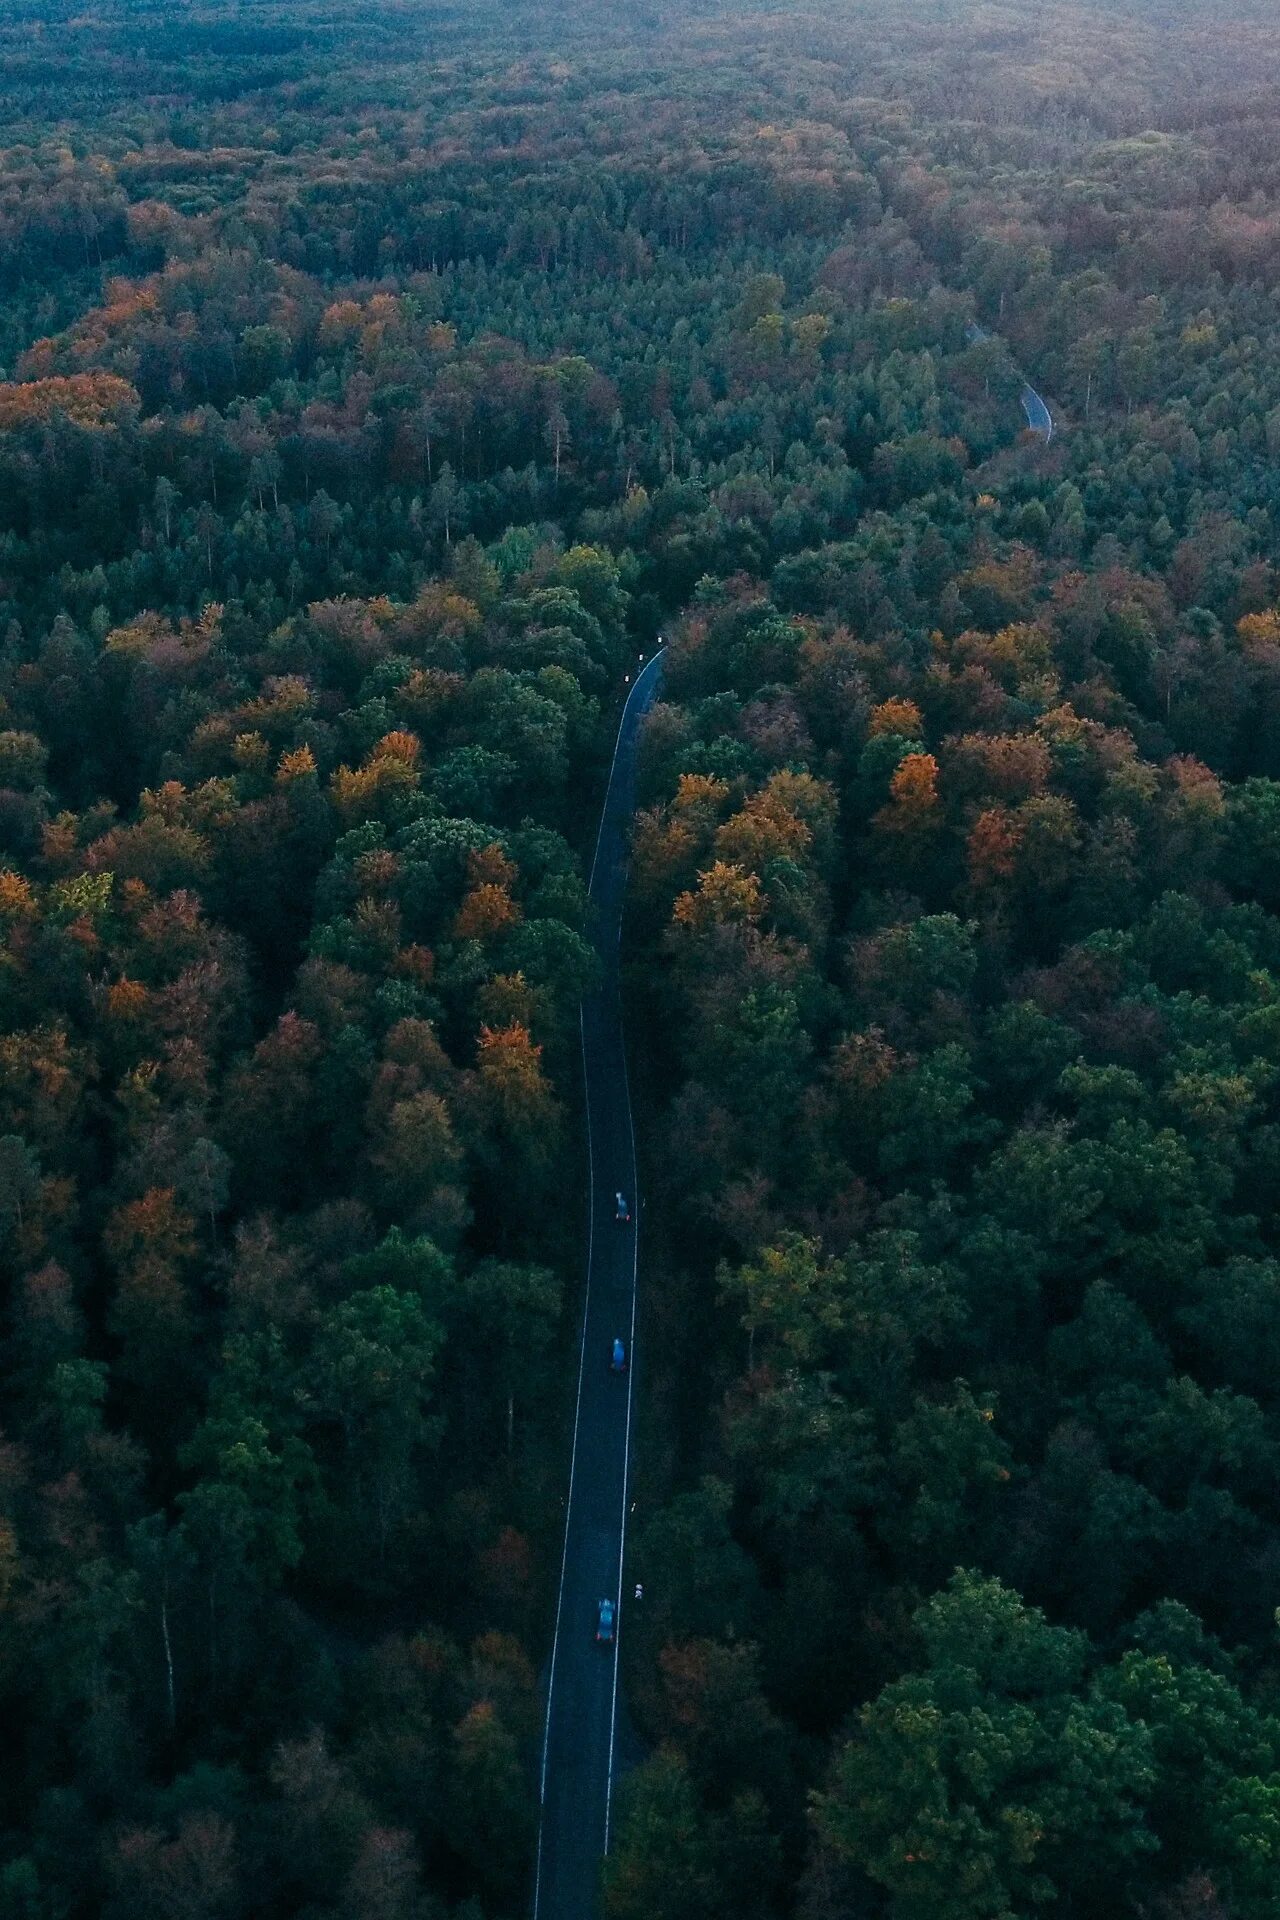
x,y
376,382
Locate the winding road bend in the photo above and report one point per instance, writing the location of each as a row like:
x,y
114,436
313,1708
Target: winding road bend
x,y
580,1735
1039,418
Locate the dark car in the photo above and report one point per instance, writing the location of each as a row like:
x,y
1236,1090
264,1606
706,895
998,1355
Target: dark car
x,y
622,1213
618,1357
604,1623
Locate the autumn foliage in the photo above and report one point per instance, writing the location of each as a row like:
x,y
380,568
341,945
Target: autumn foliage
x,y
377,389
87,399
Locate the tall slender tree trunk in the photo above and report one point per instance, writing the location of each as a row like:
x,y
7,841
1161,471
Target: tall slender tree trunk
x,y
170,1697
213,1636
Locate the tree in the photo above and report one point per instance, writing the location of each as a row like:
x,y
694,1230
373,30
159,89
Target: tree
x,y
788,1298
252,1488
515,1114
193,1876
662,1867
164,500
697,1579
806,1456
713,1706
163,1562
320,1819
725,896
375,1357
19,1178
446,502
418,1160
490,1819
967,1787
512,1313
151,1243
1212,1751
385,1879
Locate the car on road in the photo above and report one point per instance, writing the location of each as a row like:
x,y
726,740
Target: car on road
x,y
604,1623
622,1209
618,1357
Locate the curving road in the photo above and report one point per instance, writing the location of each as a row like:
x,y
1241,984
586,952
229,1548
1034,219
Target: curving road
x,y
580,1734
1039,418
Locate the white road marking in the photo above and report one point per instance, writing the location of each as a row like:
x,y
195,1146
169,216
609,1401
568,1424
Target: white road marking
x,y
573,1463
626,1449
582,1357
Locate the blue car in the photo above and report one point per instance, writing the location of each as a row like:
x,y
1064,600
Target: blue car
x,y
604,1623
618,1357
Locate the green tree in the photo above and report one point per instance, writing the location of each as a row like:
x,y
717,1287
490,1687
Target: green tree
x,y
996,1776
697,1579
375,1359
512,1313
490,1818
19,1178
661,1866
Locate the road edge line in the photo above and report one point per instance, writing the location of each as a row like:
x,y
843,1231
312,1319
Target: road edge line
x,y
626,1448
582,1347
573,1457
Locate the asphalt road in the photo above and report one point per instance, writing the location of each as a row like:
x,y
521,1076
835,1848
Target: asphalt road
x,y
580,1740
1039,418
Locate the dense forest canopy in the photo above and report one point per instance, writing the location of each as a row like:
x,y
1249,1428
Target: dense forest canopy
x,y
376,382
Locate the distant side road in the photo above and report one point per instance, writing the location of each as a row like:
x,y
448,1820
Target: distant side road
x,y
1039,418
